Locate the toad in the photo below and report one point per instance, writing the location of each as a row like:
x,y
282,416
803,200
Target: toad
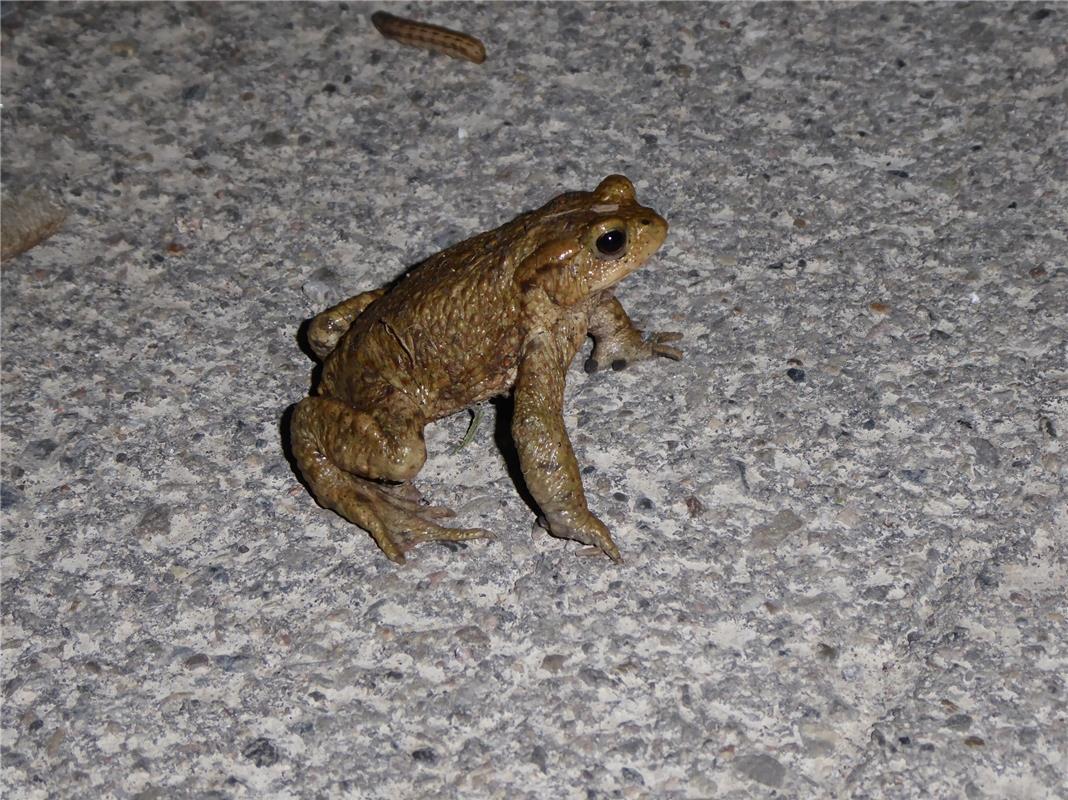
x,y
505,310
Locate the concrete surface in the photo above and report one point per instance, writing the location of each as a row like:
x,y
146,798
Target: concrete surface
x,y
842,514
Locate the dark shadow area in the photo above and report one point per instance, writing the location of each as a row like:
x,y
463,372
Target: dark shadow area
x,y
504,406
301,338
285,429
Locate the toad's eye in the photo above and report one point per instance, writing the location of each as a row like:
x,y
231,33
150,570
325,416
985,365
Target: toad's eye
x,y
611,244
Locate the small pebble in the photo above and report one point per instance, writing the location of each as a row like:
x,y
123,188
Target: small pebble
x,y
321,287
694,506
261,752
425,754
761,768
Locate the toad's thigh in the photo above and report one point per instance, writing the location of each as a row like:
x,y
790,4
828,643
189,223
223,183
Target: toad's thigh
x,y
379,444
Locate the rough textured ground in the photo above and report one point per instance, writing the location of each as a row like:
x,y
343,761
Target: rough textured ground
x,y
842,514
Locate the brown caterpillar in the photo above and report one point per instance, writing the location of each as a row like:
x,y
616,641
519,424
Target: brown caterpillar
x,y
432,37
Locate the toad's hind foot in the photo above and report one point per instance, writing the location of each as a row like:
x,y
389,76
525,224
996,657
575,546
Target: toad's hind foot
x,y
406,497
436,533
397,524
390,509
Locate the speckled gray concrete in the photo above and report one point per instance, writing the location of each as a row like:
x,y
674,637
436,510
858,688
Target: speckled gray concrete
x,y
842,513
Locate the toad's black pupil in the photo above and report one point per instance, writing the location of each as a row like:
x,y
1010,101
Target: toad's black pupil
x,y
612,242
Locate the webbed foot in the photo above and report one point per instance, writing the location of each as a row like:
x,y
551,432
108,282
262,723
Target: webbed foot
x,y
584,528
398,523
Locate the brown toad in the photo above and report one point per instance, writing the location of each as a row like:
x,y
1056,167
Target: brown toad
x,y
507,309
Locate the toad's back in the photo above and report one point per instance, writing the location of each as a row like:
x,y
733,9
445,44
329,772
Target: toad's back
x,y
447,335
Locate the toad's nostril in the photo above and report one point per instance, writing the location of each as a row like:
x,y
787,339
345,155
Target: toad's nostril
x,y
646,222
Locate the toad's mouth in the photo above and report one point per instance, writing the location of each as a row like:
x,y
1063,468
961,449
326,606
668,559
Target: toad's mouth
x,y
613,273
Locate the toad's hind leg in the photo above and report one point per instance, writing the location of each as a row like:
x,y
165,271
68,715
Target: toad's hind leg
x,y
342,452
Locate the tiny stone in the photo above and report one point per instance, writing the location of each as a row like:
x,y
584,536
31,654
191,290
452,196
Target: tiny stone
x,y
594,677
9,496
40,448
128,48
155,521
985,453
876,593
193,93
261,752
1028,736
761,768
795,374
826,651
553,662
425,754
772,533
321,287
197,661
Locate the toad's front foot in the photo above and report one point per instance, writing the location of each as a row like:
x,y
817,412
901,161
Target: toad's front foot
x,y
586,528
619,351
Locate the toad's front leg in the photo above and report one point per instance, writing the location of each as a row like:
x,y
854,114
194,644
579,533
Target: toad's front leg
x,y
545,455
618,343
